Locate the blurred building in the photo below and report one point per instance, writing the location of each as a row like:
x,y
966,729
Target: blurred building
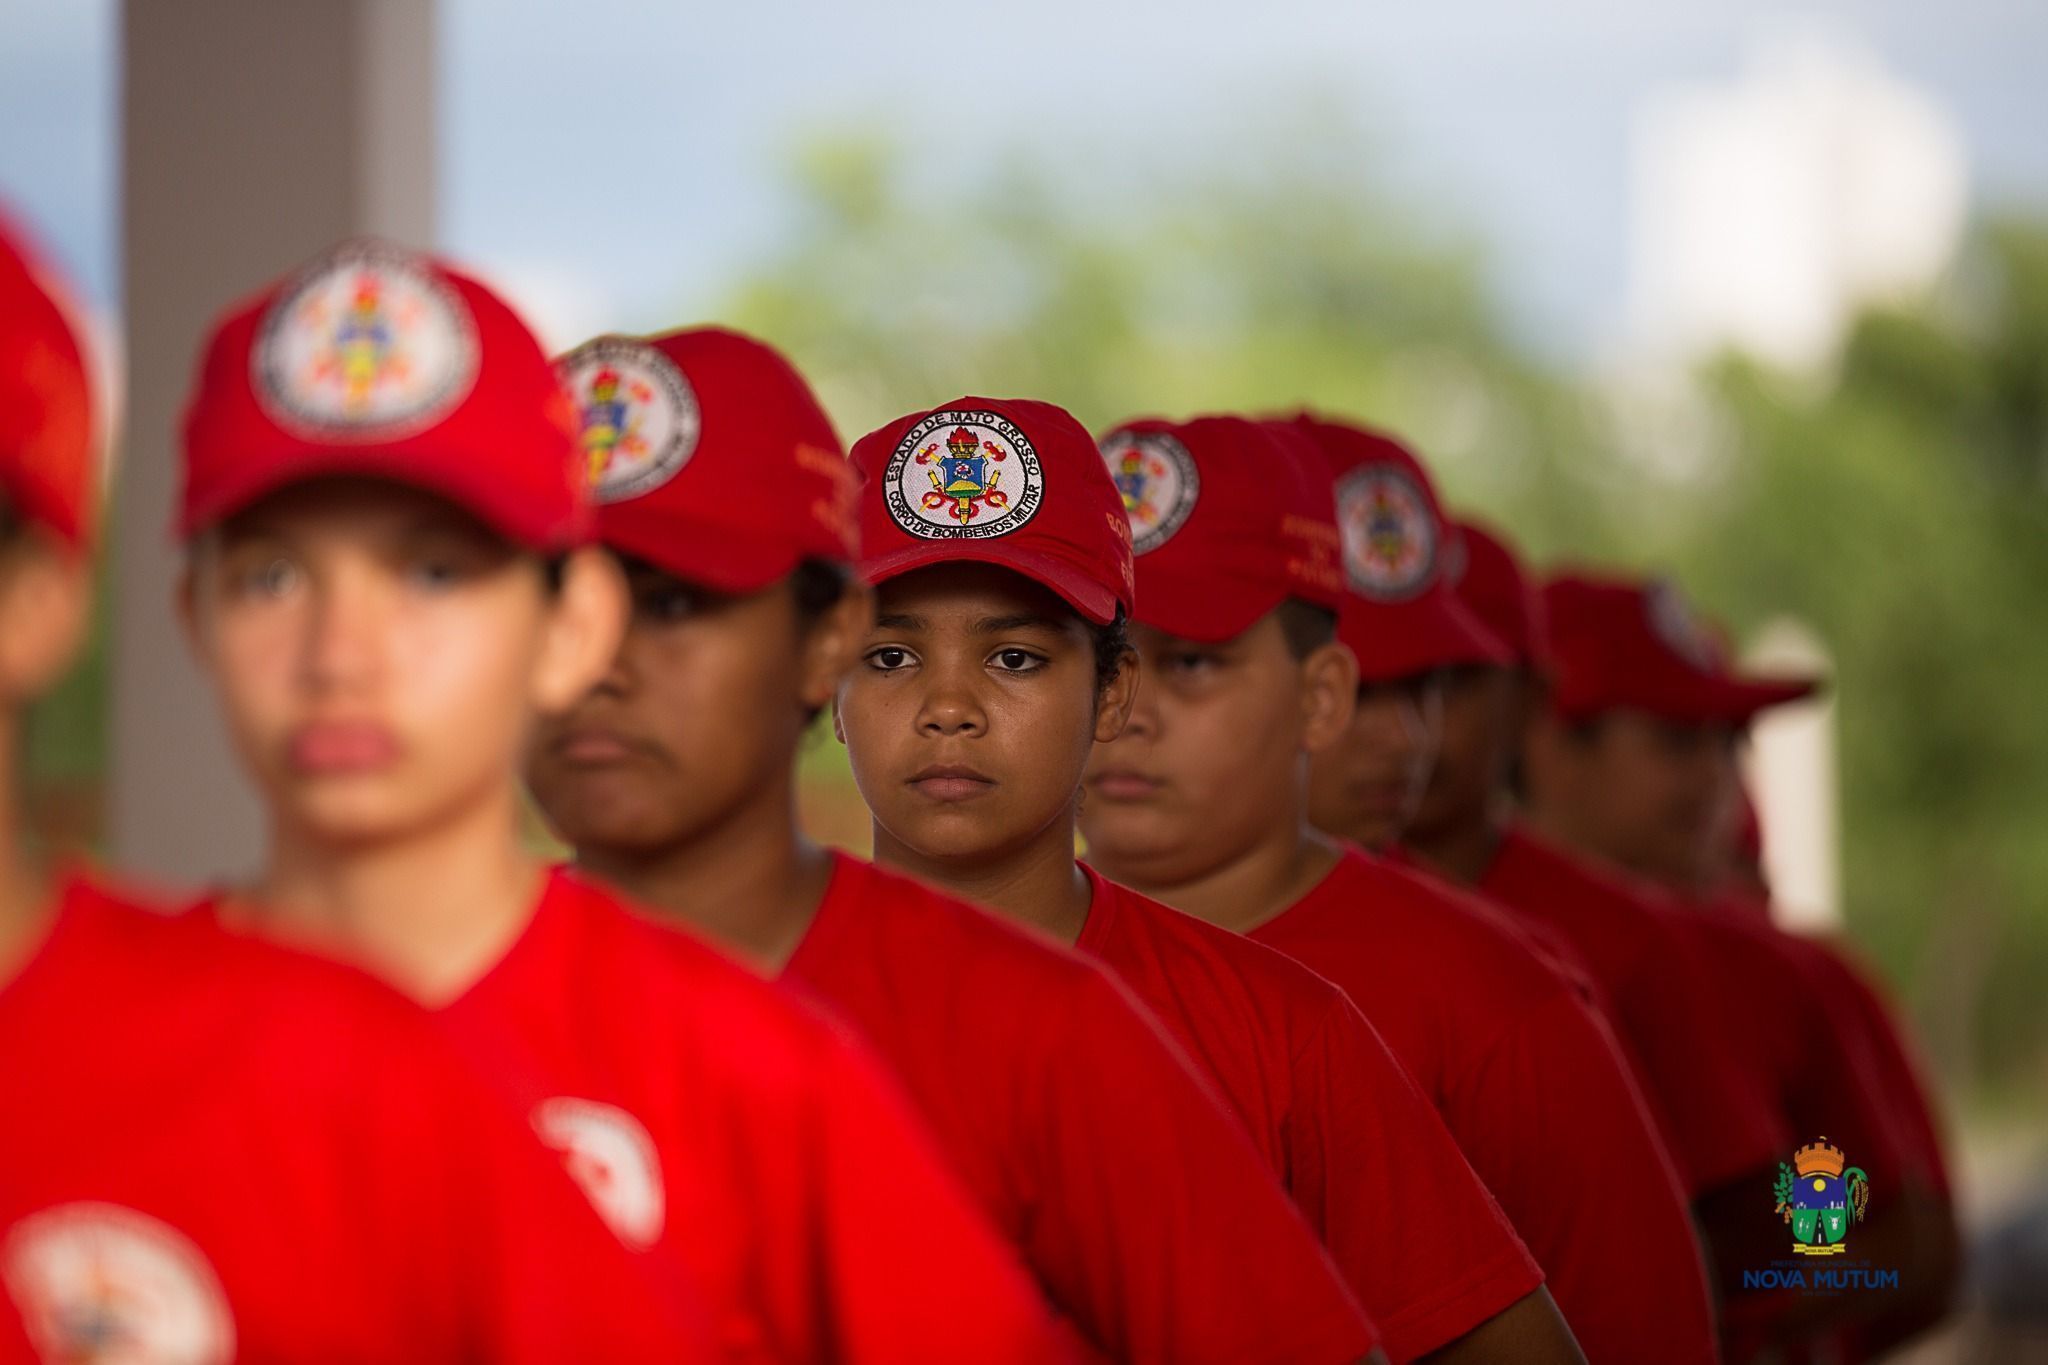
x,y
1766,208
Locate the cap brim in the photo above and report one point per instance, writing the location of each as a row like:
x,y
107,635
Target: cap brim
x,y
1077,589
723,558
1208,607
1699,700
1402,639
462,480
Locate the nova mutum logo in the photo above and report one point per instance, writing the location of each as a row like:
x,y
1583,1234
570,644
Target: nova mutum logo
x,y
1820,1197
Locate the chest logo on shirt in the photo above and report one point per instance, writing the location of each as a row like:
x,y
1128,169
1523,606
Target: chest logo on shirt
x,y
1159,483
1390,540
611,1157
963,473
1820,1196
636,415
99,1284
369,344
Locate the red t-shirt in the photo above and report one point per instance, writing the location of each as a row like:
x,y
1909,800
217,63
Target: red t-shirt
x,y
710,1114
1364,1155
216,1149
1146,1214
1718,1119
1532,1086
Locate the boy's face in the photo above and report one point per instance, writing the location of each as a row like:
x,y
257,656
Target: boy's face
x,y
1651,794
380,655
1367,786
972,711
1478,738
701,711
45,607
1212,760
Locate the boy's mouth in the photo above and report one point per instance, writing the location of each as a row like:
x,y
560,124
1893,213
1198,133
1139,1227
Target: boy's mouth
x,y
339,747
1125,784
593,746
951,782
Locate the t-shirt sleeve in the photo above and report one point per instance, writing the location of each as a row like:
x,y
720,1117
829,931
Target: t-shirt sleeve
x,y
508,1256
911,1271
1718,1116
1418,1237
1169,1237
1549,1118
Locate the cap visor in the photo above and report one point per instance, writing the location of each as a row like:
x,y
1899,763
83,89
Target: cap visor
x,y
1400,640
466,482
723,558
1199,605
1076,588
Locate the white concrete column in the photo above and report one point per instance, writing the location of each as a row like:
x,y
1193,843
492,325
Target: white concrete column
x,y
1795,779
254,132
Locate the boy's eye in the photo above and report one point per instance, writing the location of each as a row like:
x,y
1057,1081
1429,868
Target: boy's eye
x,y
888,658
272,577
665,602
1190,664
1017,660
434,573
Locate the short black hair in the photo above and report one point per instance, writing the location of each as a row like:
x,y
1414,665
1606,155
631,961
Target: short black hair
x,y
1308,627
1112,642
818,585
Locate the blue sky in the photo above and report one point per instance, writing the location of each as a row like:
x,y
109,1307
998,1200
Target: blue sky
x,y
634,151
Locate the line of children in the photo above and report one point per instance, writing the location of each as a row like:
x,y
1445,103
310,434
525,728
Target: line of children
x,y
1326,1108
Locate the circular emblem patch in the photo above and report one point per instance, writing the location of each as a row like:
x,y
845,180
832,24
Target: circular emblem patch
x,y
101,1283
963,473
1672,622
1390,540
636,413
611,1157
1159,483
369,344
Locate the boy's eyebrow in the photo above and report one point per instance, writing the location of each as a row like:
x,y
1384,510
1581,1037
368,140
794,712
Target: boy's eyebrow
x,y
897,620
996,625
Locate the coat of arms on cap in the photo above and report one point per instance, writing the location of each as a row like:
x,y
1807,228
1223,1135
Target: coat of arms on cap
x,y
963,473
102,1282
1390,535
637,415
1159,483
1672,622
369,343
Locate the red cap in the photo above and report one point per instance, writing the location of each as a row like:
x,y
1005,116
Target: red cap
x,y
1400,617
381,362
1490,582
1006,481
1626,643
709,457
49,450
1229,518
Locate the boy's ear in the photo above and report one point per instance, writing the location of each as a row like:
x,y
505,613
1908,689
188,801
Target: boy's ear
x,y
832,646
585,628
1329,696
46,605
1113,708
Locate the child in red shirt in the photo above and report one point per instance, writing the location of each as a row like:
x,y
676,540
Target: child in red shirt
x,y
389,583
216,1149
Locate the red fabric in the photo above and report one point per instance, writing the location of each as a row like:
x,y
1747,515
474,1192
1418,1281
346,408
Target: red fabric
x,y
1623,643
296,1136
1488,578
1060,521
49,450
1531,1085
1718,1120
1148,1217
1400,617
500,445
796,1189
1229,518
742,424
1367,1160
